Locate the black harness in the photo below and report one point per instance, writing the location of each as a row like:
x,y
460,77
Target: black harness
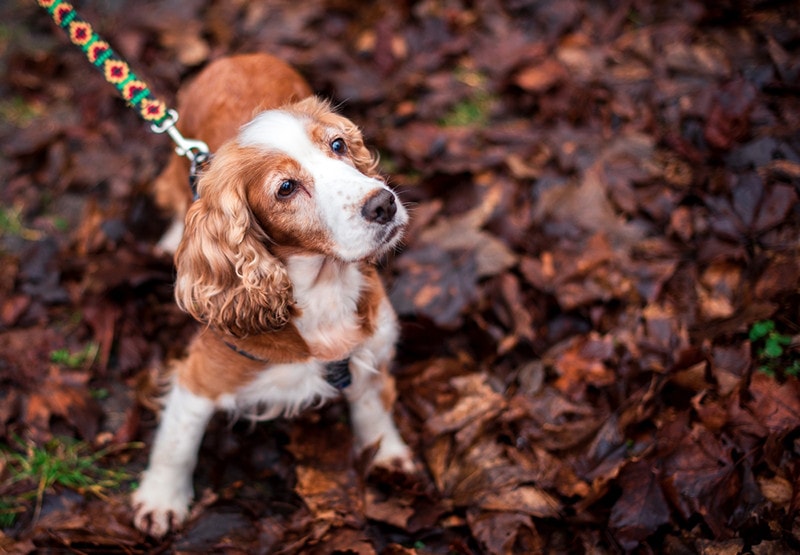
x,y
337,373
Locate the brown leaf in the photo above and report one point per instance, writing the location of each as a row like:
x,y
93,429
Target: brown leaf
x,y
104,523
540,77
729,364
712,412
393,510
747,193
463,233
435,283
190,47
700,475
718,289
102,317
777,490
525,499
505,533
65,394
728,121
476,402
642,508
11,546
775,405
514,313
775,207
12,308
581,362
214,528
606,454
554,422
326,494
781,275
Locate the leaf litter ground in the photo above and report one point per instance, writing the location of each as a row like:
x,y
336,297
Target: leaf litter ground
x,y
604,201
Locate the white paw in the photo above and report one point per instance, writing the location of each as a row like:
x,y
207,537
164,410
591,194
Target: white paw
x,y
394,454
160,504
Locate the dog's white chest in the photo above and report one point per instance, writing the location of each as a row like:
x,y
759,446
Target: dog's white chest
x,y
329,323
328,301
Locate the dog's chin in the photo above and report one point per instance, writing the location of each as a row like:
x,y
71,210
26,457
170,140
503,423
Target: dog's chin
x,y
386,239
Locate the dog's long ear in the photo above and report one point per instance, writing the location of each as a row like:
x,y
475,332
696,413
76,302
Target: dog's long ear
x,y
226,276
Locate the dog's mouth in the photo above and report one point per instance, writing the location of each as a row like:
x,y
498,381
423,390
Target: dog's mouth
x,y
389,235
385,239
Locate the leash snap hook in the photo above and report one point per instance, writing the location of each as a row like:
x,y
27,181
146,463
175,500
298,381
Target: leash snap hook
x,y
196,151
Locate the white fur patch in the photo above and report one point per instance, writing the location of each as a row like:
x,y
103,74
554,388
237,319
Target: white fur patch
x,y
328,304
172,237
281,390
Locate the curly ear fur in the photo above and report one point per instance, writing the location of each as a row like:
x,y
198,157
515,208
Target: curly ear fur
x,y
366,162
226,277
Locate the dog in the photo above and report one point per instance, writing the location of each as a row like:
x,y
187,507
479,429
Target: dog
x,y
277,260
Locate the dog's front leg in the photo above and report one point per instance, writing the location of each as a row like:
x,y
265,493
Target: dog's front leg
x,y
162,500
371,399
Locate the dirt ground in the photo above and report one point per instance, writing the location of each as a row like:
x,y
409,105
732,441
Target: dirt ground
x,y
598,290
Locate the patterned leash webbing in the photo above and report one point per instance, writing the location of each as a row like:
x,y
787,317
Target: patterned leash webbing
x,y
135,91
115,70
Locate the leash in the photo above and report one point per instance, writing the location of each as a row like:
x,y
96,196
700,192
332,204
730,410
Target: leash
x,y
133,90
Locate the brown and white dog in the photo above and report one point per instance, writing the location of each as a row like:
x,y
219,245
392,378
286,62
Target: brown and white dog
x,y
276,259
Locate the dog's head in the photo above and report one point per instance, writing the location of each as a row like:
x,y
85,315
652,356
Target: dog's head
x,y
295,180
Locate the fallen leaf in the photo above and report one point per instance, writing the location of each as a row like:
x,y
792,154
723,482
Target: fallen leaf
x,y
525,499
728,119
642,508
775,405
435,283
505,532
538,78
700,477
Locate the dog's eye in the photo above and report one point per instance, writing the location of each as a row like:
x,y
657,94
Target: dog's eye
x,y
287,188
338,146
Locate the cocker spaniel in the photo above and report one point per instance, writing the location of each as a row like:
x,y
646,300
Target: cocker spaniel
x,y
276,260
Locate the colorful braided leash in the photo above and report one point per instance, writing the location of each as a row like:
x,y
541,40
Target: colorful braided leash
x,y
117,72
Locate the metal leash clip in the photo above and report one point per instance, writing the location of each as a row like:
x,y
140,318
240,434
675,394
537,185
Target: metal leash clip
x,y
194,150
197,163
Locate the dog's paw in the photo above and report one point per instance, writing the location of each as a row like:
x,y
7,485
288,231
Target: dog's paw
x,y
397,469
394,455
160,506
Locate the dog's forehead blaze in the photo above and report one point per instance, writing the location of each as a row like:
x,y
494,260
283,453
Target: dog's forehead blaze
x,y
297,133
276,130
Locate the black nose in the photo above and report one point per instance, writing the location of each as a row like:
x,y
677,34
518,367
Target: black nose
x,y
380,207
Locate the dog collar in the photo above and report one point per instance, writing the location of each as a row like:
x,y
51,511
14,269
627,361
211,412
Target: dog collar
x,y
337,373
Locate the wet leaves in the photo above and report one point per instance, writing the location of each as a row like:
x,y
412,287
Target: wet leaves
x,y
604,201
642,507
